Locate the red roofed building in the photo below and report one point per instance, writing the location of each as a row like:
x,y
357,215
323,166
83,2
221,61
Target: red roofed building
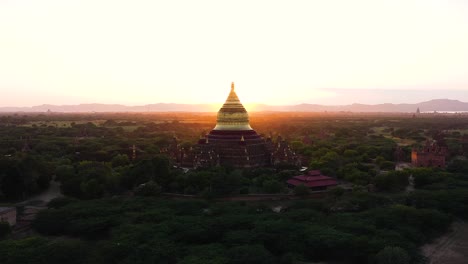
x,y
314,180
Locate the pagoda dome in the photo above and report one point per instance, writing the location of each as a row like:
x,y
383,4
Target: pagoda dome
x,y
232,115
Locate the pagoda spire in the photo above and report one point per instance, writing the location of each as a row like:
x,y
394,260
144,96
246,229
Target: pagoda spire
x,y
232,115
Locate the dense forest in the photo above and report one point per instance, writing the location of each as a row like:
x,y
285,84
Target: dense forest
x,y
114,212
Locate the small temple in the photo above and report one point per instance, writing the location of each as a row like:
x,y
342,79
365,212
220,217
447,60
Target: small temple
x,y
314,180
233,143
433,154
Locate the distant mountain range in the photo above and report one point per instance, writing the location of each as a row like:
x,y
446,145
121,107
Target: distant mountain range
x,y
429,106
161,107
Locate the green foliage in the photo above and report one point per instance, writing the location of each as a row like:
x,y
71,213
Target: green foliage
x,y
336,192
60,202
50,222
358,177
250,254
350,153
155,169
91,162
301,190
64,172
150,188
454,201
458,166
91,180
92,189
392,255
387,165
360,200
39,250
427,178
23,176
5,229
144,229
209,253
272,186
120,160
392,181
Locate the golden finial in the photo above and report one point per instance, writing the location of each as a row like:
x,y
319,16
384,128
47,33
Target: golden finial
x,y
232,86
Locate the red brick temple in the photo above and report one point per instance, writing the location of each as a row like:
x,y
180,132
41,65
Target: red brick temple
x,y
314,180
433,154
233,143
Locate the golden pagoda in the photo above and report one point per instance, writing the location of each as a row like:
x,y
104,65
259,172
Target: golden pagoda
x,y
233,142
232,115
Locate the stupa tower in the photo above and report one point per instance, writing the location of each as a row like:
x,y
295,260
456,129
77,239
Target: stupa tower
x,y
233,142
232,115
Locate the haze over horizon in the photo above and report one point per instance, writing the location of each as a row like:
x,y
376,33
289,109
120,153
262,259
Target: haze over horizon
x,y
278,53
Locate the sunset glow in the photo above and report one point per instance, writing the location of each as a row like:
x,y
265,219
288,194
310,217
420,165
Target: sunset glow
x,y
277,52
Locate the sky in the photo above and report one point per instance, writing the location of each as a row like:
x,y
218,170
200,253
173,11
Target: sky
x,y
277,52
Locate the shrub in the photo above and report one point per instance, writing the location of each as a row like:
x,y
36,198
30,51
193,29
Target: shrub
x,y
150,188
60,202
301,190
5,229
392,255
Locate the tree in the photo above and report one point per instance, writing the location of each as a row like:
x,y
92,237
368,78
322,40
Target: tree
x,y
350,154
206,254
424,176
357,176
392,181
250,254
150,188
458,166
63,172
336,192
11,182
272,186
392,255
60,202
92,189
89,182
120,160
387,165
23,176
156,169
301,190
5,229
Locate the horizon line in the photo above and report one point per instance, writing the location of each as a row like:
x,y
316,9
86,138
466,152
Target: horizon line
x,y
215,104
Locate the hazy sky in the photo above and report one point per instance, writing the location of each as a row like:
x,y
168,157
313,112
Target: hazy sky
x,y
277,52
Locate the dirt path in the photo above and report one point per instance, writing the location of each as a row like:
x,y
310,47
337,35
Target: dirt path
x,y
452,248
52,192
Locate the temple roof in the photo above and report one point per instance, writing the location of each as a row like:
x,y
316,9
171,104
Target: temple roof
x,y
232,115
232,102
313,179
